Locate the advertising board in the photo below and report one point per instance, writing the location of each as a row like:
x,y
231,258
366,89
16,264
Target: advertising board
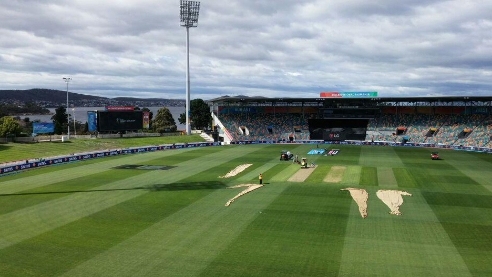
x,y
42,128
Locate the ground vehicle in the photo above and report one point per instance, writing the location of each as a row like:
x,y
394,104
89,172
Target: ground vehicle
x,y
285,155
304,163
435,155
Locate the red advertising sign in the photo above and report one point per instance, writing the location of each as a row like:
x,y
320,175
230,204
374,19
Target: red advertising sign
x,y
119,108
330,94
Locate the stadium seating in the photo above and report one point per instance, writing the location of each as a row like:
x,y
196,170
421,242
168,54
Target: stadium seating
x,y
266,126
448,129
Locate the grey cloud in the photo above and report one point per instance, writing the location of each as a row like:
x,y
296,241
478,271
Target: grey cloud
x,y
270,48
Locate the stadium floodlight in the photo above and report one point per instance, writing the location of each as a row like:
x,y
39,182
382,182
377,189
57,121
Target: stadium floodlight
x,y
188,11
67,80
74,127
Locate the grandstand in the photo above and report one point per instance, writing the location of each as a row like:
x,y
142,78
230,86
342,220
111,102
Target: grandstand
x,y
451,121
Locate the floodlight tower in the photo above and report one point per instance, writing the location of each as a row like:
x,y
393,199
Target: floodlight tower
x,y
189,11
67,80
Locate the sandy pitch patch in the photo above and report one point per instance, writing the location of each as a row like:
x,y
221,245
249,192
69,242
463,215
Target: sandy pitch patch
x,y
335,175
302,174
236,171
250,188
360,197
392,199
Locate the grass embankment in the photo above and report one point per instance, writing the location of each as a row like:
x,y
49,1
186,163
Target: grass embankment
x,y
21,151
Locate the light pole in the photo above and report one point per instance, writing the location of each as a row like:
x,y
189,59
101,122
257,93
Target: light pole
x,y
74,128
67,80
189,11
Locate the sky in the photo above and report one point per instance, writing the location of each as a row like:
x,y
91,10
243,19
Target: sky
x,y
276,48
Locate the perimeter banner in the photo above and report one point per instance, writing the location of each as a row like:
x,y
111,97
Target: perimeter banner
x,y
79,157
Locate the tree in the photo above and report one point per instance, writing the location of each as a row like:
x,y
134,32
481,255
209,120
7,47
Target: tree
x,y
199,115
60,120
8,126
164,121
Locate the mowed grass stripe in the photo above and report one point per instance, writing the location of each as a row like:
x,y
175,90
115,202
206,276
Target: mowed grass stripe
x,y
450,180
380,156
352,175
226,167
318,175
184,243
413,244
441,175
184,155
271,158
403,178
335,175
386,177
300,234
368,176
301,175
21,184
52,168
474,165
26,223
286,173
87,237
348,155
22,151
467,220
28,198
255,172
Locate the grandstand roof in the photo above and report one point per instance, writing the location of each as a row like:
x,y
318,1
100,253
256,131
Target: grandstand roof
x,y
458,100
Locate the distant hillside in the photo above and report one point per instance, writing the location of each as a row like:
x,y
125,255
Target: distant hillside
x,y
35,95
55,98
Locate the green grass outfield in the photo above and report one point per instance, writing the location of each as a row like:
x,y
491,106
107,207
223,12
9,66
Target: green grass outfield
x,y
92,219
20,151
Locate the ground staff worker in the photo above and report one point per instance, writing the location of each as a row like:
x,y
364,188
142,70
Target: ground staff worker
x,y
261,179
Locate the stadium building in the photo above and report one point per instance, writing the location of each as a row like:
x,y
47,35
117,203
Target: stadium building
x,y
356,116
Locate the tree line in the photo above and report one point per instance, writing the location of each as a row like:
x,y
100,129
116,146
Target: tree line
x,y
163,121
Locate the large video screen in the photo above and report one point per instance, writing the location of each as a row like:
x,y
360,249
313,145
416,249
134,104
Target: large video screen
x,y
338,129
119,121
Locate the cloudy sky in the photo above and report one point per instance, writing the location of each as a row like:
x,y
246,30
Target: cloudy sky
x,y
286,48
